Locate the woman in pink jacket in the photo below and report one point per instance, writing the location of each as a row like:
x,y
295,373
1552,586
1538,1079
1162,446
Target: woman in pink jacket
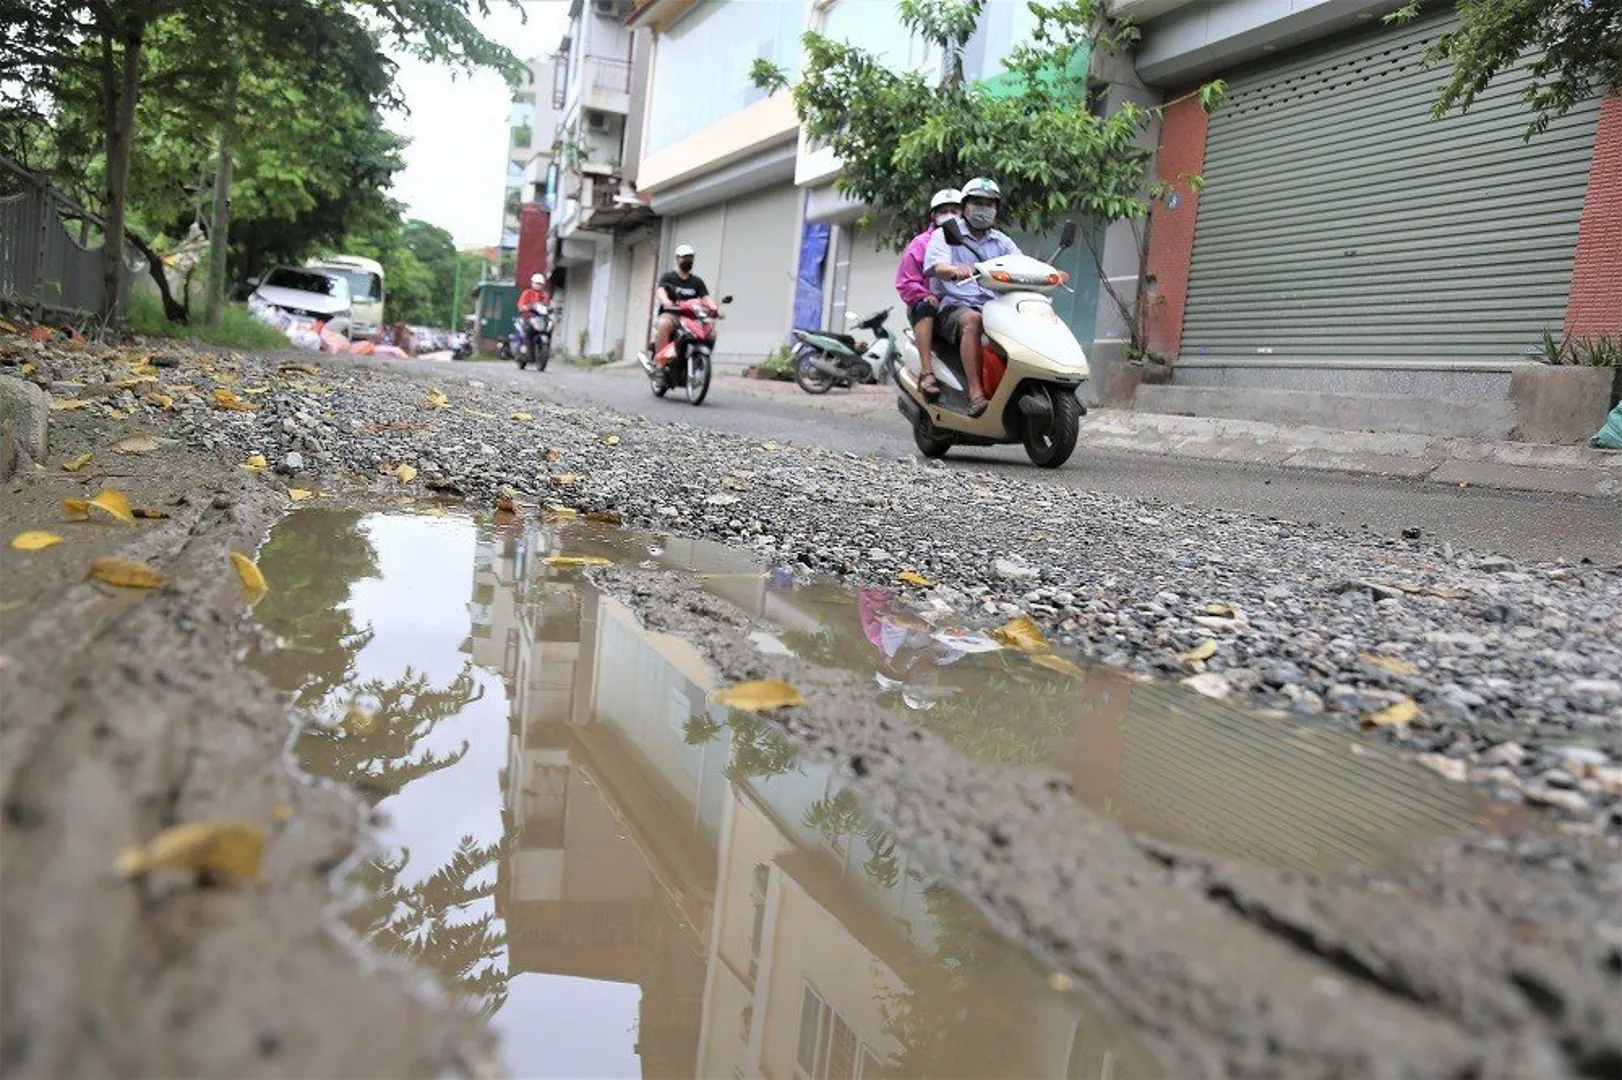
x,y
914,288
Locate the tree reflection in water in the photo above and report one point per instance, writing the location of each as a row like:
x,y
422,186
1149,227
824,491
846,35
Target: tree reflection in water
x,y
315,559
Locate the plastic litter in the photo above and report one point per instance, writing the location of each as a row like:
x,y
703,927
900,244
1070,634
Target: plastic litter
x,y
1609,437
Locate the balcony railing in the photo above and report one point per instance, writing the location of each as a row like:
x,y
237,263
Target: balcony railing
x,y
609,76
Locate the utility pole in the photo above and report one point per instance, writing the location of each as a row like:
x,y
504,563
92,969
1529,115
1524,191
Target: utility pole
x,y
220,221
456,290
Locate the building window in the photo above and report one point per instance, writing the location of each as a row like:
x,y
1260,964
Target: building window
x,y
828,1048
701,76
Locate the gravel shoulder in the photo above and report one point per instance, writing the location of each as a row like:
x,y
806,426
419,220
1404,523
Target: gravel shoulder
x,y
122,718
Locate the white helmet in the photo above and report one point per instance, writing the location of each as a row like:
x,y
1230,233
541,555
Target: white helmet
x,y
535,280
982,187
685,251
945,197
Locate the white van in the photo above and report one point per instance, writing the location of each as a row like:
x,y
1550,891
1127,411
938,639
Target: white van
x,y
365,277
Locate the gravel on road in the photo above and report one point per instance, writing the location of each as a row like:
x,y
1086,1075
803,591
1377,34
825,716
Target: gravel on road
x,y
1504,673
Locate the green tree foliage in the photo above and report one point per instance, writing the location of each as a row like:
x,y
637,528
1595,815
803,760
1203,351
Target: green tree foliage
x,y
1575,49
1042,136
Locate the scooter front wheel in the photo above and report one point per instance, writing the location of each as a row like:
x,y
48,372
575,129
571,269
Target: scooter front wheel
x,y
930,443
1050,442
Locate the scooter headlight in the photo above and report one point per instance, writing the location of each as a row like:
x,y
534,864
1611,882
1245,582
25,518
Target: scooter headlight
x,y
1038,311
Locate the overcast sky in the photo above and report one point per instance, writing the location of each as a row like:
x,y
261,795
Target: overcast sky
x,y
456,163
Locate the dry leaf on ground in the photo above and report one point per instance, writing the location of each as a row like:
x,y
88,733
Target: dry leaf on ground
x,y
150,513
611,440
437,398
1203,651
1222,611
759,695
1021,633
67,404
1400,714
227,852
405,473
113,503
248,573
76,509
912,577
35,540
1389,663
299,494
126,573
562,479
256,463
136,444
228,400
521,416
576,561
75,464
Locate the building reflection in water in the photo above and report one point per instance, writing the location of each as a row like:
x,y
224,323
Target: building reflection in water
x,y
647,839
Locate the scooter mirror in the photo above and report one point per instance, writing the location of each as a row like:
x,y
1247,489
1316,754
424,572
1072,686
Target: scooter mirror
x,y
1067,235
850,316
954,234
727,299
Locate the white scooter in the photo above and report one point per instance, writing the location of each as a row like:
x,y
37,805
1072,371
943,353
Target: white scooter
x,y
1035,403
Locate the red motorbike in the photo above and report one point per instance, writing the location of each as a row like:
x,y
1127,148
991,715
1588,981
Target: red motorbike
x,y
685,361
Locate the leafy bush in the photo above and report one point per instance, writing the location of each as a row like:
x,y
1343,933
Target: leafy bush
x,y
237,329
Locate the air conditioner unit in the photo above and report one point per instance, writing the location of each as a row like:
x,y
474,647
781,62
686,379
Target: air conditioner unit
x,y
611,9
596,120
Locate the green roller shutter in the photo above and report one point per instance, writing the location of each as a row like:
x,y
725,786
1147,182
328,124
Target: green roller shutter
x,y
1339,222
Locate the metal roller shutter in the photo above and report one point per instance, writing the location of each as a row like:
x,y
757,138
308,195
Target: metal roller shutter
x,y
1340,223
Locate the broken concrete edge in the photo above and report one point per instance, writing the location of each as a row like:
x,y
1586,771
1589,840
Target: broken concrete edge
x,y
1560,470
25,412
125,716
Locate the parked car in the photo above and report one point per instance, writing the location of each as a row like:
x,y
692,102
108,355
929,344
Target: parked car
x,y
365,277
315,294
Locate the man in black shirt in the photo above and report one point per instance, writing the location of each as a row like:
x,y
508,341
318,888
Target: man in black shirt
x,y
674,287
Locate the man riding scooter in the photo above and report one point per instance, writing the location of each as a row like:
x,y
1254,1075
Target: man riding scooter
x,y
913,287
534,301
674,287
961,297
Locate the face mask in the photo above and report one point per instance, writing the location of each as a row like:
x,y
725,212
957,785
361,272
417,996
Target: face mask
x,y
944,216
981,217
684,265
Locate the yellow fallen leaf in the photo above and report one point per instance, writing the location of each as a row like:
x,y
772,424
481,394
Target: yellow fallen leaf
x,y
299,494
126,573
282,812
1221,611
1203,651
226,399
256,463
150,513
227,852
576,561
75,464
521,416
1400,714
27,369
1389,663
437,398
405,473
256,390
248,573
433,511
768,446
76,509
611,440
299,369
912,577
562,479
162,401
66,404
1060,982
759,695
136,444
1023,634
135,380
35,540
113,504
225,377
1056,663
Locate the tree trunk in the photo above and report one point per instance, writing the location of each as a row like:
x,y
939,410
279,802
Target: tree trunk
x,y
220,221
120,129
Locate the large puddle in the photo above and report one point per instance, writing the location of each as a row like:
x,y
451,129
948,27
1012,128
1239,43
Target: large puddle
x,y
631,881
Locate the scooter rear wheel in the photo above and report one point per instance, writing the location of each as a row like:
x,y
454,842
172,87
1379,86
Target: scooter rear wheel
x,y
930,444
810,379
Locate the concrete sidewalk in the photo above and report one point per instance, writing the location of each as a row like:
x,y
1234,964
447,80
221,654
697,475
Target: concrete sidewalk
x,y
1513,466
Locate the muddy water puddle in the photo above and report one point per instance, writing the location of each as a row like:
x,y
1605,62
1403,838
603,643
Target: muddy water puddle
x,y
627,879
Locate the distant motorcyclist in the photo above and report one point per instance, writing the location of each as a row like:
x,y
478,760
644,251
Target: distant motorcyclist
x,y
913,287
674,287
960,295
534,296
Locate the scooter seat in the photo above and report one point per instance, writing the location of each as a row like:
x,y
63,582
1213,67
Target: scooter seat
x,y
848,339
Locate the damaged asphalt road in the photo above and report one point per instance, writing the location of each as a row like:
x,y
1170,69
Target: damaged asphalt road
x,y
1488,958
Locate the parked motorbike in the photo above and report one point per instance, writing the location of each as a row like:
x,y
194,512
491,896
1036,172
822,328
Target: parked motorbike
x,y
461,347
824,359
687,357
1031,366
533,337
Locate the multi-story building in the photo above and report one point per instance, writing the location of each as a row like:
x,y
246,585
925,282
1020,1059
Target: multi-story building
x,y
530,123
1349,259
602,236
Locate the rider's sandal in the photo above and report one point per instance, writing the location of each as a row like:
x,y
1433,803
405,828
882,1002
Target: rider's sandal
x,y
929,387
978,406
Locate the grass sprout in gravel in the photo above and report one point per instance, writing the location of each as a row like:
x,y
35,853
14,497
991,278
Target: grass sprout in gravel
x,y
1516,669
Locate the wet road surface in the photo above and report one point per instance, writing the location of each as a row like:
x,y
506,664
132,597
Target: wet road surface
x,y
1520,525
626,878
